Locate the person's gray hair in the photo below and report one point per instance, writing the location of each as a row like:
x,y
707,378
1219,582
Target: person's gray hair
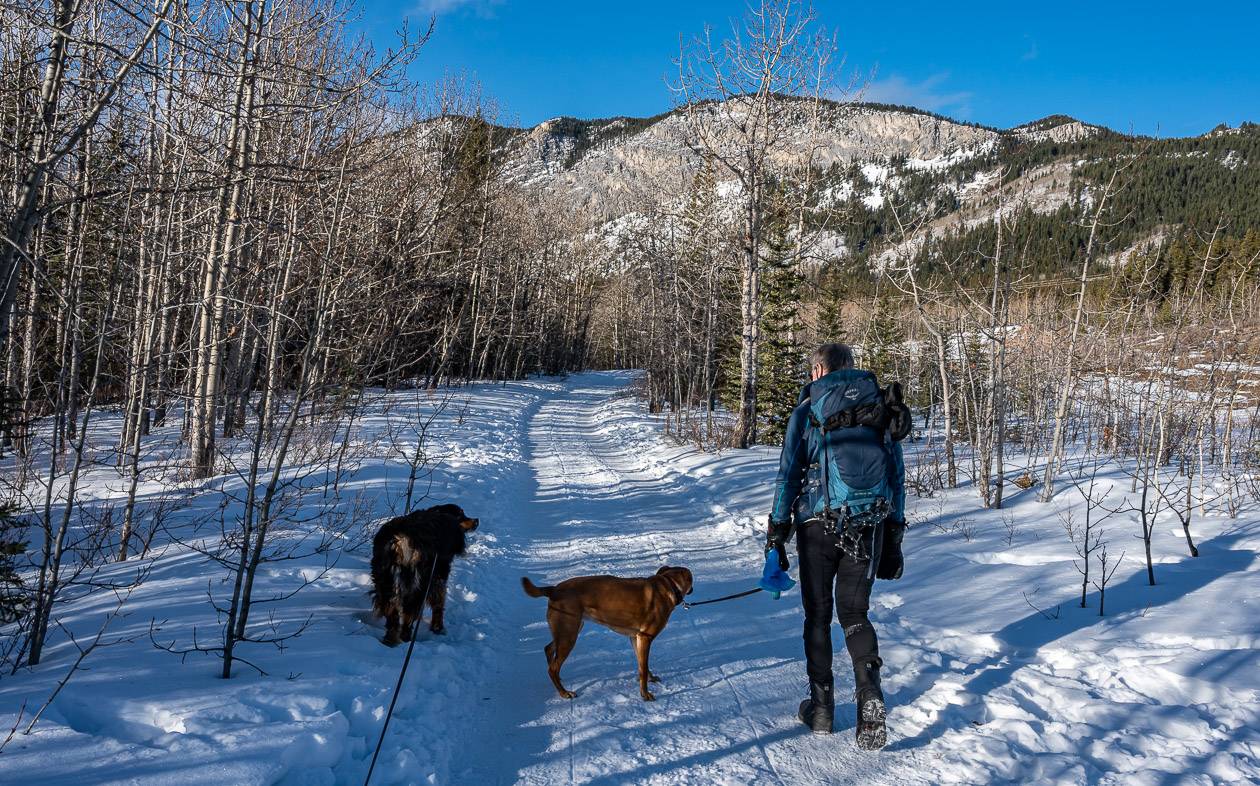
x,y
833,357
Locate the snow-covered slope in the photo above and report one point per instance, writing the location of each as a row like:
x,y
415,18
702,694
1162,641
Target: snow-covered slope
x,y
994,675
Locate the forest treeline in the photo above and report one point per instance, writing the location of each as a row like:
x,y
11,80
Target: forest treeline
x,y
210,199
230,218
224,215
257,202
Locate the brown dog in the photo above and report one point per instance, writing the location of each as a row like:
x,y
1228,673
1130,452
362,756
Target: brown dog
x,y
638,608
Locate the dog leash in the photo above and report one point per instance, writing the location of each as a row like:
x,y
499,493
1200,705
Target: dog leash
x,y
743,594
401,674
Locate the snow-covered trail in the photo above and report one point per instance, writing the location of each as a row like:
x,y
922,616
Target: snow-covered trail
x,y
596,501
573,477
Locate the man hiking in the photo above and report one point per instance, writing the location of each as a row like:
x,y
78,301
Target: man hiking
x,y
842,482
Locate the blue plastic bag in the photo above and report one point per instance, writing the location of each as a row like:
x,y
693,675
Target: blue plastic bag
x,y
774,577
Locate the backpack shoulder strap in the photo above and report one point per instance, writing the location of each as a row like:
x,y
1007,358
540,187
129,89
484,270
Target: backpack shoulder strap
x,y
899,416
815,409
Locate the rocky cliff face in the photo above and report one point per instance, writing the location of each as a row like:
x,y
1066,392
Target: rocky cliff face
x,y
607,167
612,175
617,177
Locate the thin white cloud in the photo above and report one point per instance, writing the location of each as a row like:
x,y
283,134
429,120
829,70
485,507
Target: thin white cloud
x,y
1032,52
438,7
930,94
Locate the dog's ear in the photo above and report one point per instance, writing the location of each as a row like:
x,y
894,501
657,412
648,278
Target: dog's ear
x,y
454,511
679,578
683,578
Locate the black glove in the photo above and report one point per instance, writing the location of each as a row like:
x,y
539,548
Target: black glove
x,y
777,535
891,561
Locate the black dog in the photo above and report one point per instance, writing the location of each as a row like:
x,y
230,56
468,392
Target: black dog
x,y
409,554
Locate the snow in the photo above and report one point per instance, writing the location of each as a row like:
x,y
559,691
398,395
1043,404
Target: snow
x,y
837,194
875,199
1233,159
948,159
878,176
993,673
979,184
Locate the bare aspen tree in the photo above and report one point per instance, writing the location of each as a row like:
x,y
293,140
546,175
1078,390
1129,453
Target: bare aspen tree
x,y
1104,575
223,239
1087,537
738,97
50,141
1069,372
906,278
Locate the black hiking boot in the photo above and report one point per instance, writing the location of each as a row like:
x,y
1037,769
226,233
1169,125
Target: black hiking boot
x,y
871,713
818,711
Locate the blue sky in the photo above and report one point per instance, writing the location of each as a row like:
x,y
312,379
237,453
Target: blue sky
x,y
1166,68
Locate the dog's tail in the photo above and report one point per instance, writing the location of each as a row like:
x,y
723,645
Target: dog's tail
x,y
535,592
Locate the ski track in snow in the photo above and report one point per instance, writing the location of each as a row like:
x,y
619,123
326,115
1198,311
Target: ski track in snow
x,y
605,503
570,478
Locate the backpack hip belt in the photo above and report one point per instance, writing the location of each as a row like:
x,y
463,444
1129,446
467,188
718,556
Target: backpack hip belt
x,y
834,522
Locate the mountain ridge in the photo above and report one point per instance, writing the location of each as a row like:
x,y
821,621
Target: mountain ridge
x,y
1057,117
885,166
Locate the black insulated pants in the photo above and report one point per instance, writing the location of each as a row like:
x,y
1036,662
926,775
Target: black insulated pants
x,y
832,580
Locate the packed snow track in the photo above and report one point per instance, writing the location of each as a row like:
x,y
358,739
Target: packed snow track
x,y
993,672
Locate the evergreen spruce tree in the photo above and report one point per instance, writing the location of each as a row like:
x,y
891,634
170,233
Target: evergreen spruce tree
x,y
728,372
885,341
701,264
781,356
715,365
919,388
14,597
831,310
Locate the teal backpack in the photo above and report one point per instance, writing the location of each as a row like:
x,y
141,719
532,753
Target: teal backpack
x,y
853,420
